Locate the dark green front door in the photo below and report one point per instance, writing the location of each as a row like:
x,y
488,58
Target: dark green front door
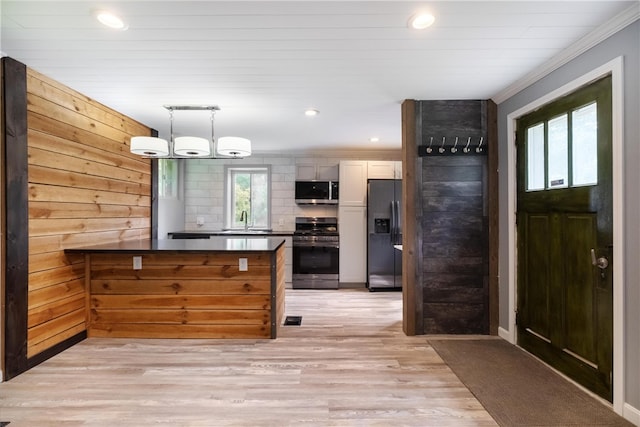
x,y
565,235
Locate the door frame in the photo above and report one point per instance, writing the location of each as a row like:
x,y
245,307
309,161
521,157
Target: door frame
x,y
615,68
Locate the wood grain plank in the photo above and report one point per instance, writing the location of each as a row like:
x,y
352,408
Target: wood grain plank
x,y
15,215
452,318
219,302
59,243
180,272
218,258
493,207
56,308
67,178
183,316
42,279
56,326
180,287
40,192
60,160
35,348
71,118
91,148
64,96
49,209
55,226
411,212
50,260
54,293
135,330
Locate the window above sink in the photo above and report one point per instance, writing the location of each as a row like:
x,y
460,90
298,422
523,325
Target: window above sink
x,y
247,200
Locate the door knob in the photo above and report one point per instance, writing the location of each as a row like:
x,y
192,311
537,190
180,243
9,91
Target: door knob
x,y
601,262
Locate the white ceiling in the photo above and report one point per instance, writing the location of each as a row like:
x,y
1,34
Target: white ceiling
x,y
264,62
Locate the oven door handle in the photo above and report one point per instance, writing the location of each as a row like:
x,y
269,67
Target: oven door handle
x,y
316,245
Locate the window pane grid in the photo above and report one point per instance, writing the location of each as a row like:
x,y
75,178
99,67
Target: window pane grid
x,y
585,144
248,197
536,157
561,152
557,152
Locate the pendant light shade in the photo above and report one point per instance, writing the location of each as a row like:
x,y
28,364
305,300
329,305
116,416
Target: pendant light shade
x,y
149,146
191,146
233,146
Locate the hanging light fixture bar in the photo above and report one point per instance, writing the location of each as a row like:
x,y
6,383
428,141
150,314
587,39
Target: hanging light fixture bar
x,y
184,147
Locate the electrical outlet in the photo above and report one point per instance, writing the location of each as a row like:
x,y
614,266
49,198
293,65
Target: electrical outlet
x,y
243,265
281,222
199,220
137,263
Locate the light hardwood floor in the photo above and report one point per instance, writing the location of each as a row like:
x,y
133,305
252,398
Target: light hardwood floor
x,y
348,364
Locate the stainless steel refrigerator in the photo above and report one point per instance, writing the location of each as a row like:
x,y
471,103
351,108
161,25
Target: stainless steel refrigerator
x,y
384,230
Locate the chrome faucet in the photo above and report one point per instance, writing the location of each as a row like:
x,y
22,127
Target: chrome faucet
x,y
244,217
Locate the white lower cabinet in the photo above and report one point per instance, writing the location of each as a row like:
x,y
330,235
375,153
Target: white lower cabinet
x,y
352,222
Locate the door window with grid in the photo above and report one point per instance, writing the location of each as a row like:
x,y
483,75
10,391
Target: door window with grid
x,y
562,151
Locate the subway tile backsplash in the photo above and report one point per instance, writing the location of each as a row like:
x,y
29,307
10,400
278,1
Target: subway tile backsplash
x,y
204,187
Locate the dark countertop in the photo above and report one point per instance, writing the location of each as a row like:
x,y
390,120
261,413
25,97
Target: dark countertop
x,y
213,244
255,233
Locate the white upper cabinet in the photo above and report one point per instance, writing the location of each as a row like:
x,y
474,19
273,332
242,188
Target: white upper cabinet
x,y
353,183
398,170
310,172
383,169
380,169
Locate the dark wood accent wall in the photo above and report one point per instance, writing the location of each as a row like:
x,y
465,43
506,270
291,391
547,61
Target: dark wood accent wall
x,y
454,282
454,245
72,182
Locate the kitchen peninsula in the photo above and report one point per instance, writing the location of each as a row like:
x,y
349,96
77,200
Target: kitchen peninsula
x,y
222,287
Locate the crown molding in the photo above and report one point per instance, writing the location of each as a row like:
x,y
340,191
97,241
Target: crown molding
x,y
601,33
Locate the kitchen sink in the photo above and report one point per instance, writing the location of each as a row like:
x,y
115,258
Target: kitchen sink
x,y
262,231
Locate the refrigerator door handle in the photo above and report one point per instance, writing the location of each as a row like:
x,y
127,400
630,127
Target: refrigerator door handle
x,y
392,226
395,222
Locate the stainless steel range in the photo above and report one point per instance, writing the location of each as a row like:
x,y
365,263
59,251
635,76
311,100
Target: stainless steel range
x,y
316,253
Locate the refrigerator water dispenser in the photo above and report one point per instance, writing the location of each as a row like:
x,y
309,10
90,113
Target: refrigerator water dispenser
x,y
381,225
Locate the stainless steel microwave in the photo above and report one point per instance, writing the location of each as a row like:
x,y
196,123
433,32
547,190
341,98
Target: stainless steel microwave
x,y
316,192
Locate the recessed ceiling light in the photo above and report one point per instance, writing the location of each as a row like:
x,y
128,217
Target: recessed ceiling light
x,y
311,112
374,139
420,21
111,20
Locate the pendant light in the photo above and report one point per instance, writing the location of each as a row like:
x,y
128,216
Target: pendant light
x,y
191,146
233,146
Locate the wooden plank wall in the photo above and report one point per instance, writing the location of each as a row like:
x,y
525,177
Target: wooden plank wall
x,y
84,187
455,282
455,245
182,295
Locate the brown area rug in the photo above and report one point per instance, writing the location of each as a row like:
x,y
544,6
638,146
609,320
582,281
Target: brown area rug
x,y
517,389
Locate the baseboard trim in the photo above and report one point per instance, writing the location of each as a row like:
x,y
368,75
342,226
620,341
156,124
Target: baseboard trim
x,y
505,335
631,414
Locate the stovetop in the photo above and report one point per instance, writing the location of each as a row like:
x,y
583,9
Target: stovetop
x,y
316,226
